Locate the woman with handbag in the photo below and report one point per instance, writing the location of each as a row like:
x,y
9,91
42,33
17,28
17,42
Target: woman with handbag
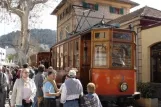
x,y
24,90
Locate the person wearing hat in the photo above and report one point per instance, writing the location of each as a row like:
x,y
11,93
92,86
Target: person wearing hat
x,y
71,90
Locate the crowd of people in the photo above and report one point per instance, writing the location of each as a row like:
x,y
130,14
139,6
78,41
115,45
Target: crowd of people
x,y
36,87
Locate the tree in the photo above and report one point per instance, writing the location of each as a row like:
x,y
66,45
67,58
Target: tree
x,y
32,47
21,8
10,57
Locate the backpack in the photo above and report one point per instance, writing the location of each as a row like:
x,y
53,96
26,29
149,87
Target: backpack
x,y
86,101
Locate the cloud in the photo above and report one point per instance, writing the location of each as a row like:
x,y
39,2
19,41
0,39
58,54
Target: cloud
x,y
151,3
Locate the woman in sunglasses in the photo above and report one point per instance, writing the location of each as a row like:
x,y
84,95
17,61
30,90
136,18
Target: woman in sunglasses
x,y
24,90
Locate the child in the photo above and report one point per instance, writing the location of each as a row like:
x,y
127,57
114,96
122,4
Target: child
x,y
91,99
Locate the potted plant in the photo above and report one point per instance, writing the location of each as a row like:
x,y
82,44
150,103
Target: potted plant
x,y
147,91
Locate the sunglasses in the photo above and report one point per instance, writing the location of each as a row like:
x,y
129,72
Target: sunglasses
x,y
26,72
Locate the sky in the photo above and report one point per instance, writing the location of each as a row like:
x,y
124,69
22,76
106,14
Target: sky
x,y
49,21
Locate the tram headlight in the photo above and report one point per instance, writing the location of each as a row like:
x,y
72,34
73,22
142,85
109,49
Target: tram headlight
x,y
123,86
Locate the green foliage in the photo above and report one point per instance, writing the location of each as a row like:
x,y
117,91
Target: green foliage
x,y
147,89
10,57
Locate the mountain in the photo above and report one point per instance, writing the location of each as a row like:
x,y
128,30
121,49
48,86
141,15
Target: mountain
x,y
43,36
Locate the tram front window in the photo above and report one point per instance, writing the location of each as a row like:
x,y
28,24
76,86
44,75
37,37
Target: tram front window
x,y
121,55
100,54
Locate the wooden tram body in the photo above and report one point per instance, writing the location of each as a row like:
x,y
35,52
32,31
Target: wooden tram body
x,y
103,55
43,58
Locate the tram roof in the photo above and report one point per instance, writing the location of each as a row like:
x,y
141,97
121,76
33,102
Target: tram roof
x,y
88,30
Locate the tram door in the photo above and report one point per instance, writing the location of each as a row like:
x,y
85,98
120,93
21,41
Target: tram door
x,y
86,60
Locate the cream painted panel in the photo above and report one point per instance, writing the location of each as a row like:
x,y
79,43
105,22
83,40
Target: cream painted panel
x,y
149,37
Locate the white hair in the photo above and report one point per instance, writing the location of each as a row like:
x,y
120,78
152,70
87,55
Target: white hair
x,y
26,69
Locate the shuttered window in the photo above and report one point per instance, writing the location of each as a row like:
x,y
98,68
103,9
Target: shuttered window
x,y
116,10
90,6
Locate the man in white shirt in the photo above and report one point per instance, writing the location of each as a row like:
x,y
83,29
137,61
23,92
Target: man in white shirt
x,y
71,90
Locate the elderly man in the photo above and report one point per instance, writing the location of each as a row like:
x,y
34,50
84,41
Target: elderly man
x,y
50,90
3,87
71,90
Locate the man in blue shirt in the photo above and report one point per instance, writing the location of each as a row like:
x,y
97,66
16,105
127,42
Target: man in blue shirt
x,y
50,90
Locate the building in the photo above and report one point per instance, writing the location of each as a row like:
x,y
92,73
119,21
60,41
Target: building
x,y
146,23
151,52
2,56
76,15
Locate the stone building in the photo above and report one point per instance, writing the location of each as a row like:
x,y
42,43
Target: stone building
x,y
2,56
77,15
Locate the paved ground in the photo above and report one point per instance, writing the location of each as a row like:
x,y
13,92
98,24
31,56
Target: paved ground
x,y
7,103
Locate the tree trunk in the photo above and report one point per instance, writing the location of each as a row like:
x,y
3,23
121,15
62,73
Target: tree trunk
x,y
22,55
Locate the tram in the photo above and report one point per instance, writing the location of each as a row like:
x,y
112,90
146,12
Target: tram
x,y
104,55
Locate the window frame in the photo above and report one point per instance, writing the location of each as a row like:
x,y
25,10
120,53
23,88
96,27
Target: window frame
x,y
54,58
70,44
102,39
61,58
121,40
61,34
132,56
120,11
67,55
58,58
92,6
107,54
74,54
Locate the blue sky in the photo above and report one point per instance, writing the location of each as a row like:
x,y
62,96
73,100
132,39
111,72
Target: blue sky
x,y
49,21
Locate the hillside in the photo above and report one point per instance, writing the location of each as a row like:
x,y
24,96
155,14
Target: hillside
x,y
44,36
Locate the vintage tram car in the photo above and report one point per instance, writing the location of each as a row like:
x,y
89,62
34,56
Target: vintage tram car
x,y
104,55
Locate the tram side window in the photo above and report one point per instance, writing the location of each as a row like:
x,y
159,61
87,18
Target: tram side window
x,y
54,57
71,54
76,54
66,55
100,54
57,65
61,57
122,36
121,55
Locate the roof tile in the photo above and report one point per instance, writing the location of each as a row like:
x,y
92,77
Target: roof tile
x,y
145,11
